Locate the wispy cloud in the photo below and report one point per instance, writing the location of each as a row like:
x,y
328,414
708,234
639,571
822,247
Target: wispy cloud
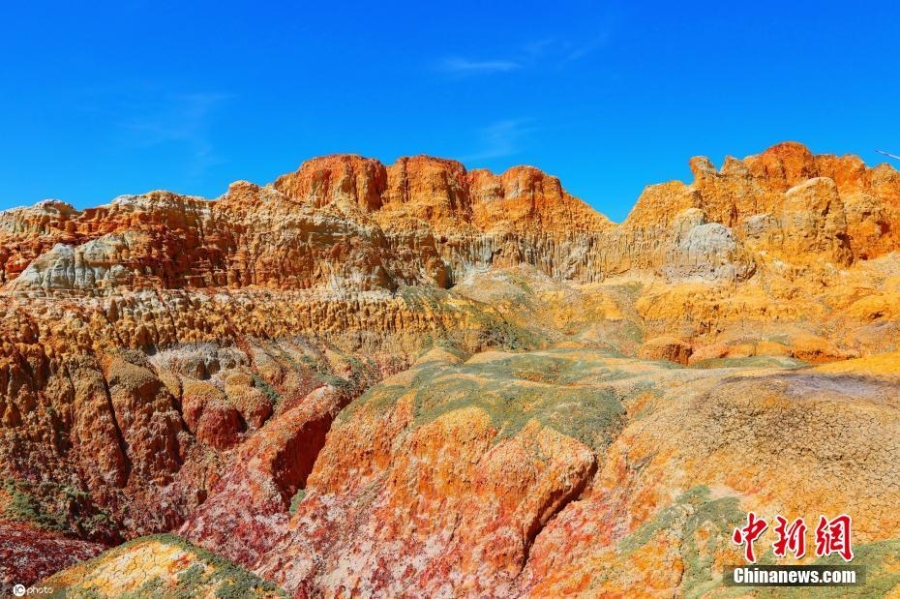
x,y
501,139
552,52
556,51
177,118
576,51
538,48
463,66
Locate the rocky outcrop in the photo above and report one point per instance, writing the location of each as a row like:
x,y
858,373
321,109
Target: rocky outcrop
x,y
29,554
169,363
266,476
163,566
449,482
601,477
685,472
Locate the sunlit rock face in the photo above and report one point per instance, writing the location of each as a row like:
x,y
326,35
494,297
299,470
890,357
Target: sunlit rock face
x,y
350,223
425,381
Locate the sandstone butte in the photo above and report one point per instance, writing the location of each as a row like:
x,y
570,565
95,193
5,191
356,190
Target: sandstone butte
x,y
421,381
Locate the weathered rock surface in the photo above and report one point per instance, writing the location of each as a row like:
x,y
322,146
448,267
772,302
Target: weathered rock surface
x,y
29,553
162,566
418,380
569,472
345,222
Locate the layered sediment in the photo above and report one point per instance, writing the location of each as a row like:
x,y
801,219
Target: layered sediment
x,y
418,380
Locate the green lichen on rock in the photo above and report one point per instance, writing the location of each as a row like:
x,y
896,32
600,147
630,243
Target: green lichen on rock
x,y
692,512
296,499
268,390
779,362
203,574
512,390
56,507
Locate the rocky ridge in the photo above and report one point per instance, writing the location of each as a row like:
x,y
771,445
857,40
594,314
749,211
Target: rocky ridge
x,y
346,222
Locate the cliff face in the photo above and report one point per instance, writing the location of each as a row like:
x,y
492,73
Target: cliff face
x,y
349,223
341,222
170,363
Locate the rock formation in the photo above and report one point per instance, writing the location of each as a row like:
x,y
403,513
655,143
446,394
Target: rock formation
x,y
418,380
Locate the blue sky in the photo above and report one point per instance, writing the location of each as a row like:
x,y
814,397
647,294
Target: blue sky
x,y
103,98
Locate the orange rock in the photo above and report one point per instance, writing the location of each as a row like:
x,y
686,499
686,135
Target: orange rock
x,y
666,348
214,367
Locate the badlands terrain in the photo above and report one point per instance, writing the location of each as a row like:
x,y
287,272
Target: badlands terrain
x,y
421,381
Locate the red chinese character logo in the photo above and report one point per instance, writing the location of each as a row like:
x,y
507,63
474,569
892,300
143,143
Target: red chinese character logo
x,y
834,537
748,534
790,538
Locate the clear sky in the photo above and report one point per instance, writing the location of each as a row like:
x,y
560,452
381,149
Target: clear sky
x,y
102,98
